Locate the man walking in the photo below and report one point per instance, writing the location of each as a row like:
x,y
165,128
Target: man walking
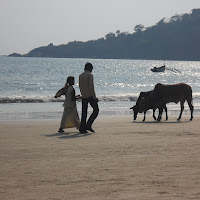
x,y
86,85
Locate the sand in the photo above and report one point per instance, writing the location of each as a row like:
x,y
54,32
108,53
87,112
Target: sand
x,y
122,160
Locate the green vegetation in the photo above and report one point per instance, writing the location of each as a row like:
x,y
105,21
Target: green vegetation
x,y
175,39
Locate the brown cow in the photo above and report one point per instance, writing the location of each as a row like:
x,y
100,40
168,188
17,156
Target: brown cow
x,y
163,94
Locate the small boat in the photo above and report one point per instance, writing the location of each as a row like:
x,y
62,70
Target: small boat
x,y
158,69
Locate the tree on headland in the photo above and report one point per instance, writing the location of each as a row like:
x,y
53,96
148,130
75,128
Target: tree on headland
x,y
110,36
117,32
139,28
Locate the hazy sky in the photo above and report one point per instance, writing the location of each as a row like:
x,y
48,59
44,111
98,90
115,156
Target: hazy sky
x,y
27,24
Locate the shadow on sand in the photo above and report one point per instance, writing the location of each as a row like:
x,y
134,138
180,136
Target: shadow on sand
x,y
68,135
161,122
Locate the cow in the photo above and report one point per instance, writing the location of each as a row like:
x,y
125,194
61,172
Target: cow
x,y
136,107
163,94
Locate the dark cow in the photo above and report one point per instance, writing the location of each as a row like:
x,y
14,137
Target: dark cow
x,y
163,94
136,107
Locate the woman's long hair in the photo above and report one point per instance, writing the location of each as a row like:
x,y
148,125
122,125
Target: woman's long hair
x,y
69,81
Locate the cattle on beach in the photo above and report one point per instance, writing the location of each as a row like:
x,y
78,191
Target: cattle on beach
x,y
136,107
163,94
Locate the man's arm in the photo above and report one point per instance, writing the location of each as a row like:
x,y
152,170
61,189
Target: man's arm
x,y
91,86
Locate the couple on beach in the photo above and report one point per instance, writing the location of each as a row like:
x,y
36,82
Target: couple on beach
x,y
70,116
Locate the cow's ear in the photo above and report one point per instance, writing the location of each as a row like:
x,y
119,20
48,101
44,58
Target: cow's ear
x,y
132,107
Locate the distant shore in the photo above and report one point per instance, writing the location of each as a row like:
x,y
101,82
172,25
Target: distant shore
x,y
163,41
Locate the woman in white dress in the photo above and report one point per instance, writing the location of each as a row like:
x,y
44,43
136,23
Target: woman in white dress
x,y
70,116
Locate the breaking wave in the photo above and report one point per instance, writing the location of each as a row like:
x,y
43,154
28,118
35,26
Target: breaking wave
x,y
46,99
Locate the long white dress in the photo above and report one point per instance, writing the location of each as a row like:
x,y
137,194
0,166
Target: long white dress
x,y
70,116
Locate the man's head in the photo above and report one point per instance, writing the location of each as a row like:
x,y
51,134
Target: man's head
x,y
89,67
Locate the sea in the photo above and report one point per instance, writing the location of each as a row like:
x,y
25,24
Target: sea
x,y
28,85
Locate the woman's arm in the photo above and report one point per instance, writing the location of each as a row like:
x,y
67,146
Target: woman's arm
x,y
60,92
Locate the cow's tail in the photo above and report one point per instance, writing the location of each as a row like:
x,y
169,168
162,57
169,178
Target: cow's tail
x,y
191,104
189,98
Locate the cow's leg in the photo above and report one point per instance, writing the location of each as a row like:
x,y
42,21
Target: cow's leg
x,y
191,108
166,112
144,116
154,114
160,114
182,108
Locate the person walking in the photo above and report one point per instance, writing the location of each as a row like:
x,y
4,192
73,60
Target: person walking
x,y
86,85
70,116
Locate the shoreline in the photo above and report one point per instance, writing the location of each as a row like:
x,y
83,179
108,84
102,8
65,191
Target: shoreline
x,y
149,117
139,118
122,160
53,111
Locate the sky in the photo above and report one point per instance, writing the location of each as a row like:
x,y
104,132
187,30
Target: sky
x,y
28,24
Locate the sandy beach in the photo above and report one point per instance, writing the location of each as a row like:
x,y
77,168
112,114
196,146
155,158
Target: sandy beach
x,y
122,160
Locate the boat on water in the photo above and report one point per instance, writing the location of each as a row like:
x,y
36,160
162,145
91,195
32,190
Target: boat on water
x,y
158,69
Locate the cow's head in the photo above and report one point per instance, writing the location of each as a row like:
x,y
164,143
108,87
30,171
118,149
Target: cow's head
x,y
135,111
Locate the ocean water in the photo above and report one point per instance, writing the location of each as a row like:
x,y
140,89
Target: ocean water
x,y
28,85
